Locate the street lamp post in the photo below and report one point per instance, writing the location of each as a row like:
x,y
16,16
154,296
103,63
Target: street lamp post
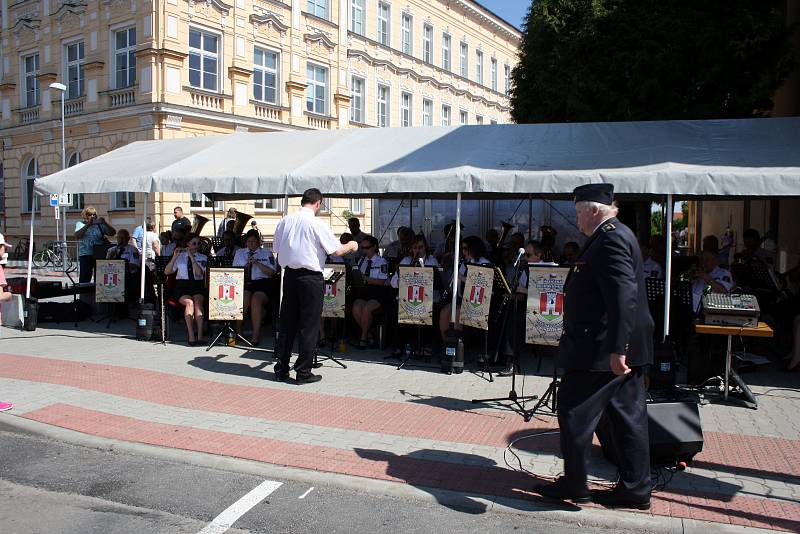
x,y
60,87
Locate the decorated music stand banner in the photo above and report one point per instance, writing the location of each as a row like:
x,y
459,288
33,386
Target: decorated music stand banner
x,y
477,297
544,314
333,296
225,294
415,292
110,281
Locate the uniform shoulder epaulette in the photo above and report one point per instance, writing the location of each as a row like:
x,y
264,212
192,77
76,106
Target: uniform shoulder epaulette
x,y
609,227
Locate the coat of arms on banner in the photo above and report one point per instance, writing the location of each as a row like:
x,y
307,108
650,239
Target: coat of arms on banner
x,y
333,293
477,297
415,291
544,318
225,294
110,281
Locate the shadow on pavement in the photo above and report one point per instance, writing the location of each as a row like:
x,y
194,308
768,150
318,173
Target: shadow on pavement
x,y
215,365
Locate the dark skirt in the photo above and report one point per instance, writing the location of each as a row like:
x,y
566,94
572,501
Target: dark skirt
x,y
263,285
189,287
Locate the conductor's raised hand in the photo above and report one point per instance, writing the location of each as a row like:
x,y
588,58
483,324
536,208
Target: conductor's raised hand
x,y
618,365
353,246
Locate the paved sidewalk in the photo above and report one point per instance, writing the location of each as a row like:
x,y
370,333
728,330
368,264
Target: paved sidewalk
x,y
414,426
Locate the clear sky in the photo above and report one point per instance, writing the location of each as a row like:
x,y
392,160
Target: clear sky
x,y
511,10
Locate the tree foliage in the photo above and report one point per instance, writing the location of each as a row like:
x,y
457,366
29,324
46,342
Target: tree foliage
x,y
612,60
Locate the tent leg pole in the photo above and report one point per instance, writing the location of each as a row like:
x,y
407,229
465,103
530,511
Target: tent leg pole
x,y
455,261
214,213
530,217
143,263
30,247
668,266
411,211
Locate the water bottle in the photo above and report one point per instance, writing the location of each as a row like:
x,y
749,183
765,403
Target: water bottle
x,y
407,352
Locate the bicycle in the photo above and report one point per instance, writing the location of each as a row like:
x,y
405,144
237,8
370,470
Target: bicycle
x,y
52,253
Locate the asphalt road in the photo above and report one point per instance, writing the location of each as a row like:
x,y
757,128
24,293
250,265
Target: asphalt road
x,y
48,486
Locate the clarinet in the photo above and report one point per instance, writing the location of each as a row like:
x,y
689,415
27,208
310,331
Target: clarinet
x,y
447,293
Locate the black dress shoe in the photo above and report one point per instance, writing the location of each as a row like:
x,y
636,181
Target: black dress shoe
x,y
561,491
308,378
617,499
280,374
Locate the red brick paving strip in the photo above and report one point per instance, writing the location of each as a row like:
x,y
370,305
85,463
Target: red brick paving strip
x,y
383,465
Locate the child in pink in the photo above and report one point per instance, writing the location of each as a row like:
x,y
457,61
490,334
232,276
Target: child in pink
x,y
4,295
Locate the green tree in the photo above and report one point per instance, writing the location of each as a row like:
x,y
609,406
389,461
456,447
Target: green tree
x,y
612,60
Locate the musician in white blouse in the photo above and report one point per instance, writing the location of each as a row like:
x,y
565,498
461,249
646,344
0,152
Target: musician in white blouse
x,y
190,284
259,266
369,299
473,250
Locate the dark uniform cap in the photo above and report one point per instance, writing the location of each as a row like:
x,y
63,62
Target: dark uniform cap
x,y
600,193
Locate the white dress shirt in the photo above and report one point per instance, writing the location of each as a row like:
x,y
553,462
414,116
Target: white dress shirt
x,y
721,276
378,268
303,242
168,249
262,255
128,253
182,269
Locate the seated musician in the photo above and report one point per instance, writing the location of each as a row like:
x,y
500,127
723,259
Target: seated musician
x,y
350,258
651,268
125,250
570,253
709,275
229,247
190,286
419,251
402,246
472,251
259,266
369,299
177,237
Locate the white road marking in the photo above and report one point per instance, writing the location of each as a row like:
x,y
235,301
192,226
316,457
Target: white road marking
x,y
303,496
232,513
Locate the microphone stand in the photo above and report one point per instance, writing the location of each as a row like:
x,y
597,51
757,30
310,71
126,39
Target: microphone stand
x,y
513,397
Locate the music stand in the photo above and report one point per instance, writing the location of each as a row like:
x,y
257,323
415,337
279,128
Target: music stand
x,y
419,349
161,264
335,277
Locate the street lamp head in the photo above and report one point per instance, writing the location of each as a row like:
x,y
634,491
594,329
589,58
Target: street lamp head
x,y
58,86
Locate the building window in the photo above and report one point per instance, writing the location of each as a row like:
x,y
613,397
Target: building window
x,y
464,60
478,119
265,76
479,66
124,200
427,44
30,68
384,15
383,106
74,68
203,59
268,204
427,112
357,100
507,74
493,122
357,18
357,206
445,115
30,174
317,91
406,109
124,57
445,51
494,74
464,117
406,36
78,199
318,8
200,201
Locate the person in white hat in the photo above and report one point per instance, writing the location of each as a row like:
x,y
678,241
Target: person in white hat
x,y
4,295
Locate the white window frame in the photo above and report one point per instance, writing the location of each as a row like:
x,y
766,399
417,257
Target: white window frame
x,y
264,70
479,67
30,79
427,43
463,117
358,19
358,100
78,199
78,63
478,119
406,109
357,206
129,53
260,205
447,115
122,201
204,203
407,34
447,51
494,74
318,8
313,84
463,52
427,112
29,196
507,74
384,27
383,96
203,55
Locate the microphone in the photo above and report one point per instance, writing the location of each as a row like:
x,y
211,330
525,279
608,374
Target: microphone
x,y
520,253
421,262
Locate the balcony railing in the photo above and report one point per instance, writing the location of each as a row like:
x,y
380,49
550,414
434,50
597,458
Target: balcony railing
x,y
268,112
74,106
204,100
319,122
27,115
125,96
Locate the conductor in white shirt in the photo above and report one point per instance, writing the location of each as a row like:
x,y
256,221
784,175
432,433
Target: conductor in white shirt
x,y
302,242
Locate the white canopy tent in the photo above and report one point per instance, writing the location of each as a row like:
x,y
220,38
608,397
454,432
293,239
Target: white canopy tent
x,y
721,158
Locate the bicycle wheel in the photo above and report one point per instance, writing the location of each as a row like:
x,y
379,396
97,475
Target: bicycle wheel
x,y
56,258
41,258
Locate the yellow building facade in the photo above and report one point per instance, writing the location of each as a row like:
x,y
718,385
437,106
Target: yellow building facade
x,y
158,69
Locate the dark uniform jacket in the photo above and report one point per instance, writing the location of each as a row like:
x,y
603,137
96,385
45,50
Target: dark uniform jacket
x,y
605,303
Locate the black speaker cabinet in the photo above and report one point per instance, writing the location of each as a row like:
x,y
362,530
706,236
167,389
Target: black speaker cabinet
x,y
676,434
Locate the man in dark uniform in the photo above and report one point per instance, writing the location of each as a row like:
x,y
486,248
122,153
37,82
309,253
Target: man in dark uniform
x,y
607,341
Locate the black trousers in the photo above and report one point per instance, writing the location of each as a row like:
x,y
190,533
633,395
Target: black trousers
x,y
86,264
300,312
582,399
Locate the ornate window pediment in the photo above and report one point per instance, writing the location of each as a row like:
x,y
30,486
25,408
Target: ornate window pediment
x,y
219,5
320,38
69,7
270,21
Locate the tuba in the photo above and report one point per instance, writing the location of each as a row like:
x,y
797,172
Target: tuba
x,y
504,233
198,223
241,223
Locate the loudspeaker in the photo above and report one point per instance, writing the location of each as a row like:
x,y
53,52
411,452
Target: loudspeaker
x,y
676,434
